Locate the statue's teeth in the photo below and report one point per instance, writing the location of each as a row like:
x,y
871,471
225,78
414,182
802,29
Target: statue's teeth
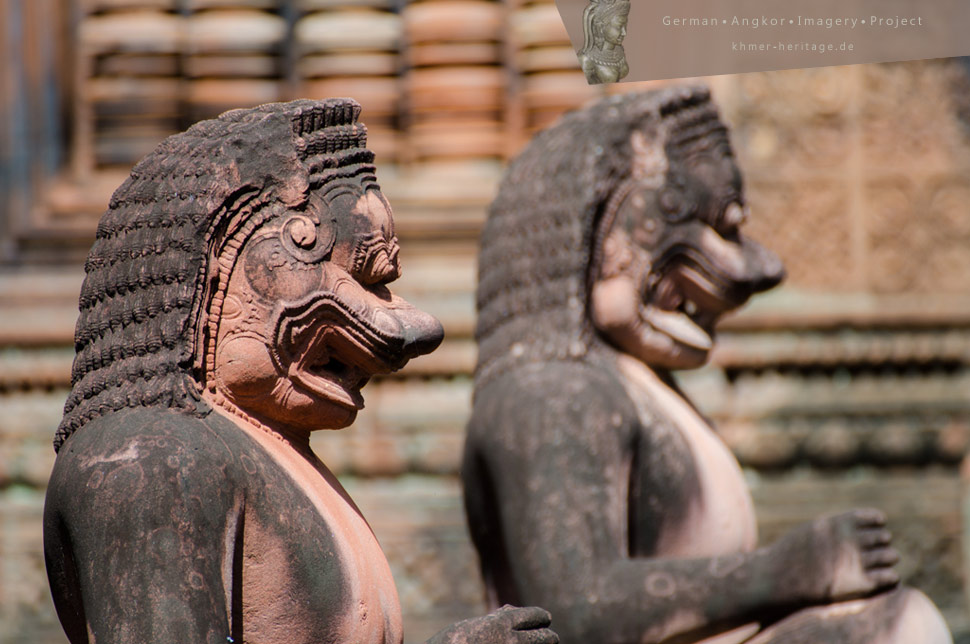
x,y
679,327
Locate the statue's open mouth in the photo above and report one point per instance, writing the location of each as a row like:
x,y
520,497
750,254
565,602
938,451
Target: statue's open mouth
x,y
678,317
332,350
690,297
325,369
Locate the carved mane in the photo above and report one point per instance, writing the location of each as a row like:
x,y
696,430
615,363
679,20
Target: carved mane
x,y
165,247
537,245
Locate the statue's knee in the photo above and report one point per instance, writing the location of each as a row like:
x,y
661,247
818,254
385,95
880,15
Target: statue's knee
x,y
919,621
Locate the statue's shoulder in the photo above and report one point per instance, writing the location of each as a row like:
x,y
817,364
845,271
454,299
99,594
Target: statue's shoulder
x,y
553,379
143,452
151,430
552,396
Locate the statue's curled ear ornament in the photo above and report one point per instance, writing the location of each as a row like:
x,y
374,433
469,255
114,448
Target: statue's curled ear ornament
x,y
309,238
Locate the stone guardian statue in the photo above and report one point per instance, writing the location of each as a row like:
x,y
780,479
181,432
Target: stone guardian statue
x,y
593,486
236,299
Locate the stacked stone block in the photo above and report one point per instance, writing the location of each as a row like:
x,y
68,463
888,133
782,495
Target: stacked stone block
x,y
455,83
352,48
234,55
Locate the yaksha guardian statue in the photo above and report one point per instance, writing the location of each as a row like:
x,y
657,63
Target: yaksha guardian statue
x,y
236,299
593,487
604,27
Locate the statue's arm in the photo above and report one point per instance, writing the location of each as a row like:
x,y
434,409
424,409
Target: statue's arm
x,y
138,541
563,517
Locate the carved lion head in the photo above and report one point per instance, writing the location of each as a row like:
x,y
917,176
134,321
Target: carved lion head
x,y
249,257
621,225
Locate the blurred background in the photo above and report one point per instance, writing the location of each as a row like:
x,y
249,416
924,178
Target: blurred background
x,y
847,386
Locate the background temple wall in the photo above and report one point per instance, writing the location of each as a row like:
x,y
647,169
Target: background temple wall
x,y
849,385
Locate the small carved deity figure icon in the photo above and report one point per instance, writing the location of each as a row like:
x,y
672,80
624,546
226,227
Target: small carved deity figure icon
x,y
604,27
593,486
236,299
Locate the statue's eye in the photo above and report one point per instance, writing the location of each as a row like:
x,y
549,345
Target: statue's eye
x,y
732,218
734,215
376,259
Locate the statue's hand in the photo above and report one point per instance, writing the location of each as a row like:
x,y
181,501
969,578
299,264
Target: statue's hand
x,y
507,625
837,557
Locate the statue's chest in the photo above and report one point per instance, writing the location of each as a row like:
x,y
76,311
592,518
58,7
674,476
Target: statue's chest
x,y
688,494
312,569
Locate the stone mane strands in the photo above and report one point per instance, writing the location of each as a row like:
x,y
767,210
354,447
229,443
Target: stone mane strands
x,y
128,92
233,57
455,86
353,48
549,80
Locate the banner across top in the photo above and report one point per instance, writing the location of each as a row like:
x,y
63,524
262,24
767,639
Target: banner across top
x,y
624,40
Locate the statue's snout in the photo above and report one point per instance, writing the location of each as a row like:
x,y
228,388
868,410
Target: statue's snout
x,y
764,269
422,331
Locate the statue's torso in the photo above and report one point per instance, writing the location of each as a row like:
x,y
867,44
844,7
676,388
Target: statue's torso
x,y
603,71
372,611
715,514
252,538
